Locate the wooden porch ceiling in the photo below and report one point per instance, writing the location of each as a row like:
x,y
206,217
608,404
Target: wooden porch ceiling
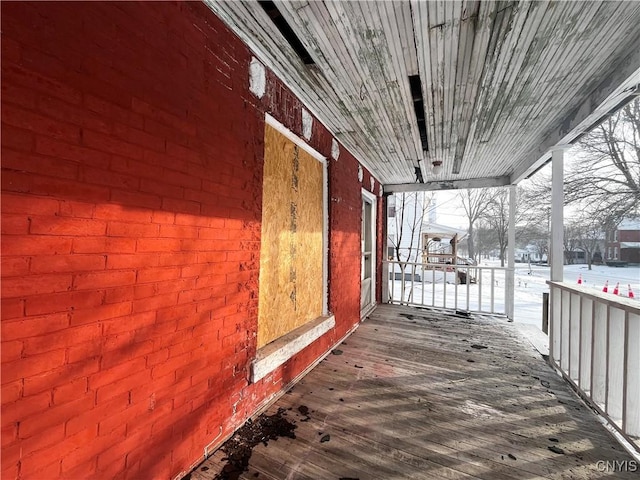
x,y
501,82
416,394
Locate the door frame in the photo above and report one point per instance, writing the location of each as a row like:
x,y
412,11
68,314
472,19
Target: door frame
x,y
372,199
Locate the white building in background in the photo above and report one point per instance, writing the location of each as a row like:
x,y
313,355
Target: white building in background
x,y
407,214
432,210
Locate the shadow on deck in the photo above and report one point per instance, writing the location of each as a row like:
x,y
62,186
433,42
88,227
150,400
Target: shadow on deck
x,y
416,394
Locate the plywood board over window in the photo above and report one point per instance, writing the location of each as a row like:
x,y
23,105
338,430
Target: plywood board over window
x,y
292,257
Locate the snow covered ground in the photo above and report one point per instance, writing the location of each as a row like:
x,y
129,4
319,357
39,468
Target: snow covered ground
x,y
530,284
529,287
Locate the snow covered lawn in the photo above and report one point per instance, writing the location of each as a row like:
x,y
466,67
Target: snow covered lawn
x,y
529,287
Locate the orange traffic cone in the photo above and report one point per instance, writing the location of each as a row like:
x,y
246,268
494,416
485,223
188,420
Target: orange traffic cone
x,y
616,289
580,279
606,287
631,295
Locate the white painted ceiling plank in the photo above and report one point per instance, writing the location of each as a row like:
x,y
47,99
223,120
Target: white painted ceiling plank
x,y
466,33
400,51
404,26
472,91
421,29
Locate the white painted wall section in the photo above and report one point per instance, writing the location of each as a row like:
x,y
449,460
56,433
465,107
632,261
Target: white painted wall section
x,y
335,149
307,124
257,78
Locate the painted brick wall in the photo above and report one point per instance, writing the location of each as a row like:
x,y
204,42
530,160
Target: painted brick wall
x,y
131,178
629,235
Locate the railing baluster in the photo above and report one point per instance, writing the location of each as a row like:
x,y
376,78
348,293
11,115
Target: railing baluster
x,y
617,342
505,290
413,284
433,286
599,357
468,286
393,282
422,277
493,279
480,289
455,288
625,371
444,289
574,335
586,346
593,348
632,380
403,271
564,327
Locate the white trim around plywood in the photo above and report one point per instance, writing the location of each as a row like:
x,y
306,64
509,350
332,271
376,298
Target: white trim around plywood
x,y
269,120
271,356
325,240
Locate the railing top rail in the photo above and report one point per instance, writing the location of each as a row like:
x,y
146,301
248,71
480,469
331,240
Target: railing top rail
x,y
627,304
440,265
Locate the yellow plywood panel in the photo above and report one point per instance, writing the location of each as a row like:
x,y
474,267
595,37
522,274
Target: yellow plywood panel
x,y
291,256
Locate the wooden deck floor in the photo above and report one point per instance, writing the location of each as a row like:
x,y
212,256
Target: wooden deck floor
x,y
420,395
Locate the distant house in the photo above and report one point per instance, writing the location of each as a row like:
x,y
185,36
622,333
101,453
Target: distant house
x,y
623,243
575,256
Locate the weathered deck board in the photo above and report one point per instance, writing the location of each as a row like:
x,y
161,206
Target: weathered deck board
x,y
403,400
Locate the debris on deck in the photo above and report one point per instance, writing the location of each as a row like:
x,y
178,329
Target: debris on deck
x,y
239,447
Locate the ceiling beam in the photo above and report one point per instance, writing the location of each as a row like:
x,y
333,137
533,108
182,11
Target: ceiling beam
x,y
618,88
447,185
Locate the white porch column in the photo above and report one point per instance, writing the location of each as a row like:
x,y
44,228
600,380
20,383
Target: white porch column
x,y
384,298
511,251
557,214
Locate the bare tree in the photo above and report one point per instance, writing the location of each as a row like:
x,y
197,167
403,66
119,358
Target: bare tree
x,y
541,245
485,239
571,241
475,203
589,235
605,179
496,216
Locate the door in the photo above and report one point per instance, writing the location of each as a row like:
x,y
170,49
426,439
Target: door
x,y
368,243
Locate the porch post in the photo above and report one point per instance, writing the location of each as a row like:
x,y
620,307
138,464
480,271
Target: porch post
x,y
557,214
555,251
384,277
511,251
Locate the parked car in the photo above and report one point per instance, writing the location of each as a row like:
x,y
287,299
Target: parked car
x,y
466,261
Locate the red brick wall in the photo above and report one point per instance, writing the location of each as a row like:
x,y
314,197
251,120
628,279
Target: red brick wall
x,y
131,196
629,235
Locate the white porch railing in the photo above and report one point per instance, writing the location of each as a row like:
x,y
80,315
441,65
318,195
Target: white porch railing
x,y
460,287
594,340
